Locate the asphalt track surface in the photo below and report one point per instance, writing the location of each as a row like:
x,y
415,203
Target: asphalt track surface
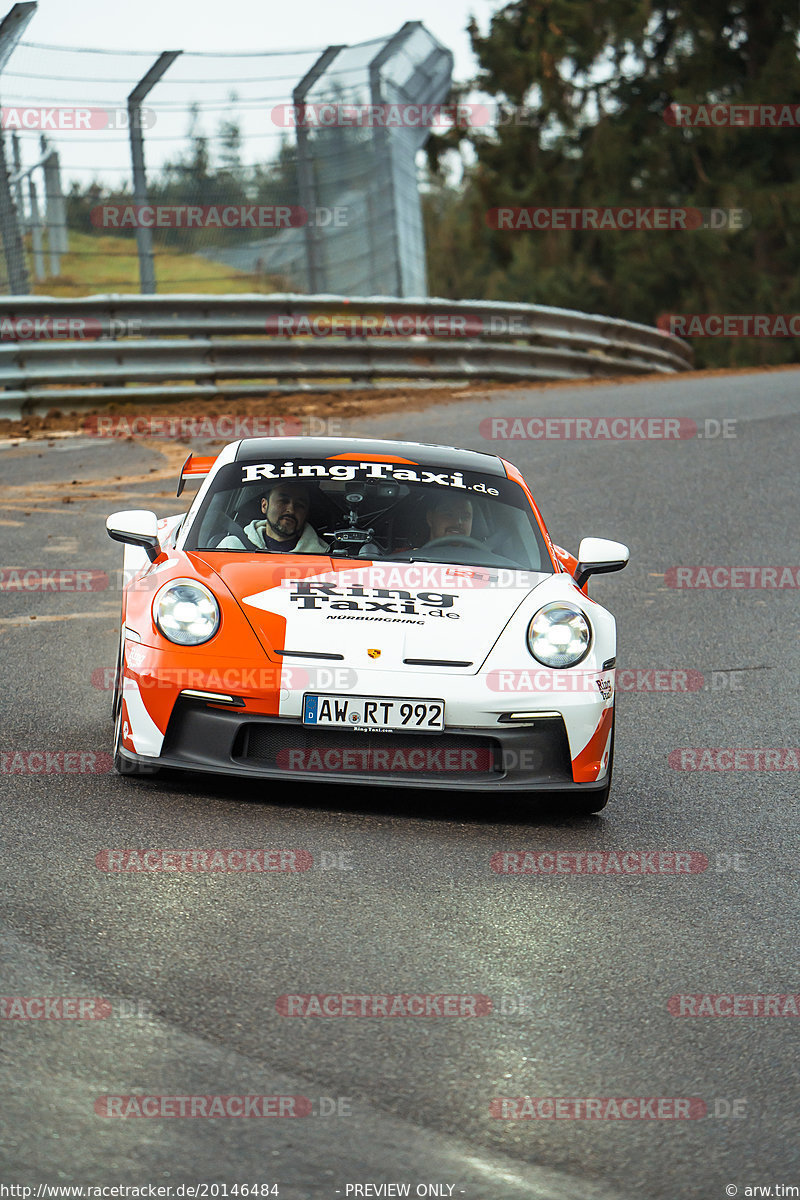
x,y
199,960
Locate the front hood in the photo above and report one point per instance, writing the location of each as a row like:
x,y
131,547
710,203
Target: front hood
x,y
377,615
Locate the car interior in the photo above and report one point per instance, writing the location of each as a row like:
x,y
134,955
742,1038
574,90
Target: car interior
x,y
384,519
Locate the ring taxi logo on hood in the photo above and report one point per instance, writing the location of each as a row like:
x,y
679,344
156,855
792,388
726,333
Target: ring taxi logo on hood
x,y
364,470
355,598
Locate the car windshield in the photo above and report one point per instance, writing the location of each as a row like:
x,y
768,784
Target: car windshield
x,y
370,510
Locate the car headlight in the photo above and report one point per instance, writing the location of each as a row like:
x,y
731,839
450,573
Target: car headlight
x,y
559,635
186,612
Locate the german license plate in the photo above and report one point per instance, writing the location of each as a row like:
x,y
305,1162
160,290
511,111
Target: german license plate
x,y
376,714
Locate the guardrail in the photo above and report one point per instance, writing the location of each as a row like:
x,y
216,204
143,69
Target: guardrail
x,y
59,353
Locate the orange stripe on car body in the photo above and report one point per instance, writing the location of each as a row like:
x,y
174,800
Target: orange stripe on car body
x,y
587,765
387,458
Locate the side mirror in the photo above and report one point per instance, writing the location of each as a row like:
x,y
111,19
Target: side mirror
x,y
137,527
597,556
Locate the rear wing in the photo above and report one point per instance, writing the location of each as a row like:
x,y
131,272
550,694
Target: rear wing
x,y
195,467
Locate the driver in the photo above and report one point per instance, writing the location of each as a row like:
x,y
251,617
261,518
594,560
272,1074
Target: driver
x,y
449,516
284,529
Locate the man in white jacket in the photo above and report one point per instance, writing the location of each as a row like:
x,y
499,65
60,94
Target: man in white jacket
x,y
284,529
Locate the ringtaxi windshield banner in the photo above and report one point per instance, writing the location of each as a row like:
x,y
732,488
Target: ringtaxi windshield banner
x,y
368,472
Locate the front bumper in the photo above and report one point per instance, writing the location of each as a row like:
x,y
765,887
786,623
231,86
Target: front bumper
x,y
530,756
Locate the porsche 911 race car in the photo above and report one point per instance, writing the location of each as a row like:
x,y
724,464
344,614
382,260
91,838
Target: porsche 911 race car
x,y
365,611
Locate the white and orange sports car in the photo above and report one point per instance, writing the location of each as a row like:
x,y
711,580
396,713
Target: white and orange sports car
x,y
347,610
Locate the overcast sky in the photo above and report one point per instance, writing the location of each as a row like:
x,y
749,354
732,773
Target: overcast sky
x,y
249,24
43,76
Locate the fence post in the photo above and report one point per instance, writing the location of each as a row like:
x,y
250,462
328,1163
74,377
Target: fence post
x,y
18,282
12,28
144,237
56,208
55,213
306,182
36,231
19,196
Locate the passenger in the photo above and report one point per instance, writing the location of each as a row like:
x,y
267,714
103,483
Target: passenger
x,y
449,516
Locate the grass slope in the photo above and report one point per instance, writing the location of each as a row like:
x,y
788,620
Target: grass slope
x,y
110,264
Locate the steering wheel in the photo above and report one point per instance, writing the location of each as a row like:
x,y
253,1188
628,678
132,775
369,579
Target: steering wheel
x,y
454,539
232,527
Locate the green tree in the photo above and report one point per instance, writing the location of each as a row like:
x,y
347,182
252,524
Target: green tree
x,y
230,141
598,80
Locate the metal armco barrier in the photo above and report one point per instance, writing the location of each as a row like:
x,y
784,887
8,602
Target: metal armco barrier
x,y
63,354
